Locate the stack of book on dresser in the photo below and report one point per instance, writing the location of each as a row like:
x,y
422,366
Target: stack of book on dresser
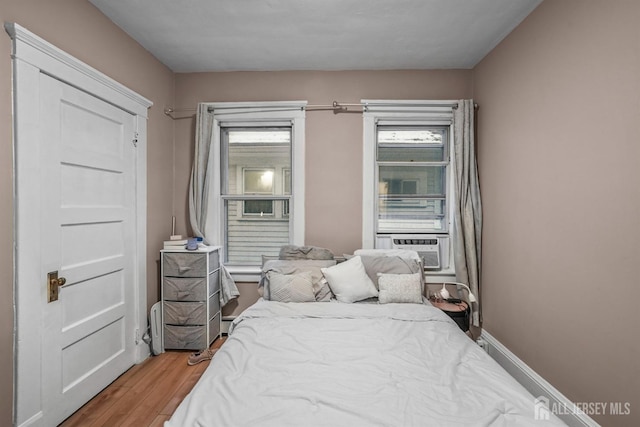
x,y
175,242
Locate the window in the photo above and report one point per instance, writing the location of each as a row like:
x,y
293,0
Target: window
x,y
411,162
259,197
407,173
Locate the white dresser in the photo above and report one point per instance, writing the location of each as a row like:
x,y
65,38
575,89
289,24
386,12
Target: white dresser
x,y
190,298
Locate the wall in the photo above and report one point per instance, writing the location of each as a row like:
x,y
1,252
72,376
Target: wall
x,y
559,161
333,142
81,30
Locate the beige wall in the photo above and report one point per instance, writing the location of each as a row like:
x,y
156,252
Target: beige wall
x,y
559,161
333,199
81,30
559,105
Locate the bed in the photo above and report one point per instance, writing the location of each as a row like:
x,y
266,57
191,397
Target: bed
x,y
329,362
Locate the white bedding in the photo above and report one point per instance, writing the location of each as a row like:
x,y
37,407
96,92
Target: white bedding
x,y
336,364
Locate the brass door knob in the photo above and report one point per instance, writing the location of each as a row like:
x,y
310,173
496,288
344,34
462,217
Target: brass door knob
x,y
60,281
53,283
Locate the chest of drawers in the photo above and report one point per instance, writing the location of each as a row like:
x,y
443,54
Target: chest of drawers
x,y
190,298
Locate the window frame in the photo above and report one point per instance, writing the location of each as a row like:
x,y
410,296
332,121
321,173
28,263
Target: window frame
x,y
445,163
404,113
256,114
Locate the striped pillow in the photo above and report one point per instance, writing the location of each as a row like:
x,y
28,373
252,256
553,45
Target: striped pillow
x,y
291,287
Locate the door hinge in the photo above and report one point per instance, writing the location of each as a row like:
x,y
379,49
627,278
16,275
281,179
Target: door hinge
x,y
135,139
137,336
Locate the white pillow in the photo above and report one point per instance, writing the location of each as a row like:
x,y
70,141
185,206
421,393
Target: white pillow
x,y
349,281
400,288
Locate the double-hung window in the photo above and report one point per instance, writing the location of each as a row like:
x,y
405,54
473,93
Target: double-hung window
x,y
259,197
407,174
411,165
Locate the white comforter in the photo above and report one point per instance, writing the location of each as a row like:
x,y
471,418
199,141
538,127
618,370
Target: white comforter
x,y
335,364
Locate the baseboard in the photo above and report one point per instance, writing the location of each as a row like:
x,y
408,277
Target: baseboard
x,y
534,383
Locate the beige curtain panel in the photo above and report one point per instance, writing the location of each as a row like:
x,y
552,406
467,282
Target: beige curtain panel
x,y
467,224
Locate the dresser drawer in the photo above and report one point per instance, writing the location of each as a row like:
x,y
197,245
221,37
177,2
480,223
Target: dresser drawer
x,y
184,288
214,304
185,337
214,282
185,313
214,327
185,264
214,261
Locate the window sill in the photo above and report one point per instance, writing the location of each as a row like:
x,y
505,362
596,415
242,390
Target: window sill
x,y
244,273
439,276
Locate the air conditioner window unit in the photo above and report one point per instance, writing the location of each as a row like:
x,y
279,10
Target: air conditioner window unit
x,y
428,248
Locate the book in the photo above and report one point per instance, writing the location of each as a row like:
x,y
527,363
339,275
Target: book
x,y
175,244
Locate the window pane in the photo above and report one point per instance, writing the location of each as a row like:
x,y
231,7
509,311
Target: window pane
x,y
250,237
258,207
259,136
258,181
410,144
255,160
411,180
410,135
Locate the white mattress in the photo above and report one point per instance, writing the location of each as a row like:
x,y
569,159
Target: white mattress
x,y
336,364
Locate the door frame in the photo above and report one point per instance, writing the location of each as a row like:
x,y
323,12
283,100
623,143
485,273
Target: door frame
x,y
32,56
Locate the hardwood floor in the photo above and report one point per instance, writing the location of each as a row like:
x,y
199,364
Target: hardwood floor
x,y
145,395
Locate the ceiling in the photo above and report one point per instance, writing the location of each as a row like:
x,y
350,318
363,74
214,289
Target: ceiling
x,y
258,35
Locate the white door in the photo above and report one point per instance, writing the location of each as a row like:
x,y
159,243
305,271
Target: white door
x,y
88,236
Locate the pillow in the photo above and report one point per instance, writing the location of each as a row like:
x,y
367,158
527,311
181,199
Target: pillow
x,y
322,290
291,252
349,281
320,287
291,287
389,265
402,253
400,288
266,258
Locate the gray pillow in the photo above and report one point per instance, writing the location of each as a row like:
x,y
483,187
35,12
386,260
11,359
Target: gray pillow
x,y
291,252
321,289
291,287
389,265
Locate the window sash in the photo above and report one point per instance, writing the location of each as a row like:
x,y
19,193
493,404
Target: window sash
x,y
427,210
289,114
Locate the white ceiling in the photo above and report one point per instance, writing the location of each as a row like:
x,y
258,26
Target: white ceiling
x,y
248,35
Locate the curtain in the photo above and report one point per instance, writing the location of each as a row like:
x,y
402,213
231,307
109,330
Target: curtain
x,y
199,184
199,193
467,224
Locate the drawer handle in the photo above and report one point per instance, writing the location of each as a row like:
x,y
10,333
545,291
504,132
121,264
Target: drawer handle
x,y
182,294
184,269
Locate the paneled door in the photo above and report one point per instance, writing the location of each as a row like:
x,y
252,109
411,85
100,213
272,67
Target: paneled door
x,y
87,235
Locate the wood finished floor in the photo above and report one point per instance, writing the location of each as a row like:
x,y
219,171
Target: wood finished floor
x,y
145,395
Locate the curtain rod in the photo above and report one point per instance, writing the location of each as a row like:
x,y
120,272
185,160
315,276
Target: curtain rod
x,y
335,106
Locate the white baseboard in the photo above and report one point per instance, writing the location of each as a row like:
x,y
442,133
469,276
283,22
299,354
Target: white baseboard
x,y
534,383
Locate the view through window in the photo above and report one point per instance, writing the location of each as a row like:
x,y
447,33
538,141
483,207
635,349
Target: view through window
x,y
256,189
